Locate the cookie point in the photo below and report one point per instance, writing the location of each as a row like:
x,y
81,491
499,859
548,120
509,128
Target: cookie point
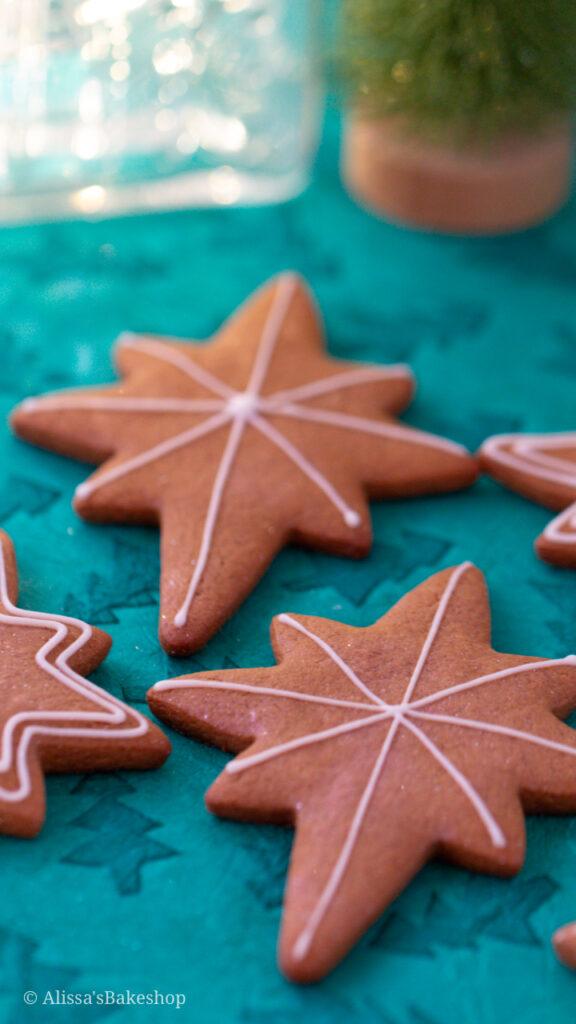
x,y
403,370
180,617
567,931
125,338
28,405
499,839
352,518
564,944
82,491
162,684
493,445
290,277
301,947
459,449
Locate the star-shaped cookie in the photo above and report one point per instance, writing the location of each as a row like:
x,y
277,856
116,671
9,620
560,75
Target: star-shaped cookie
x,y
51,718
239,447
541,467
384,747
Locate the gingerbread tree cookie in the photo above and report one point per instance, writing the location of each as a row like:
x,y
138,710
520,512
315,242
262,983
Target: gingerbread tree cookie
x,y
541,467
52,719
384,747
239,447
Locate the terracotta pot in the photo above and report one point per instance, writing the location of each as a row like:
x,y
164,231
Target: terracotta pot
x,y
518,182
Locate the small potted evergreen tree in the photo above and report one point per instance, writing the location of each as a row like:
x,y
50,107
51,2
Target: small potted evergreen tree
x,y
460,111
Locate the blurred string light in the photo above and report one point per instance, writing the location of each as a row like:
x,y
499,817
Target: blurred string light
x,y
91,11
90,199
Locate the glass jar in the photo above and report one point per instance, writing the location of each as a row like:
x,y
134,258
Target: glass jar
x,y
108,106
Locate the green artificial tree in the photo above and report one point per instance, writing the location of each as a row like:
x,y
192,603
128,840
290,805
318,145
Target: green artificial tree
x,y
460,69
459,110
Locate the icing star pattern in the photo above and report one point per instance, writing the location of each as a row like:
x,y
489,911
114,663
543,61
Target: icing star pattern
x,y
239,447
384,747
541,467
51,718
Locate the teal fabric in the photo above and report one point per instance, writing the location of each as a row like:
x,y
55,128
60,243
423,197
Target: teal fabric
x,y
131,884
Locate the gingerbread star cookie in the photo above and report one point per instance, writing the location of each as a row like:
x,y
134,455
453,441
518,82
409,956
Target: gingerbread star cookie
x,y
239,447
52,719
541,467
384,747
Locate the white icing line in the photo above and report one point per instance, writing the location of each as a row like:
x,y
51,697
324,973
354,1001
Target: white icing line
x,y
527,458
332,654
115,711
562,529
434,628
532,666
566,468
269,691
151,454
226,463
241,407
306,937
241,763
337,381
167,354
366,426
274,323
349,515
495,832
123,404
501,730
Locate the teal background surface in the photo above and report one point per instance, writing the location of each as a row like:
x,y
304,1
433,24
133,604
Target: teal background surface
x,y
131,884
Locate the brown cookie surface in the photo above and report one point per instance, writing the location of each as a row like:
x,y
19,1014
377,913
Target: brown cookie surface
x,y
541,467
240,446
564,942
384,747
52,719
